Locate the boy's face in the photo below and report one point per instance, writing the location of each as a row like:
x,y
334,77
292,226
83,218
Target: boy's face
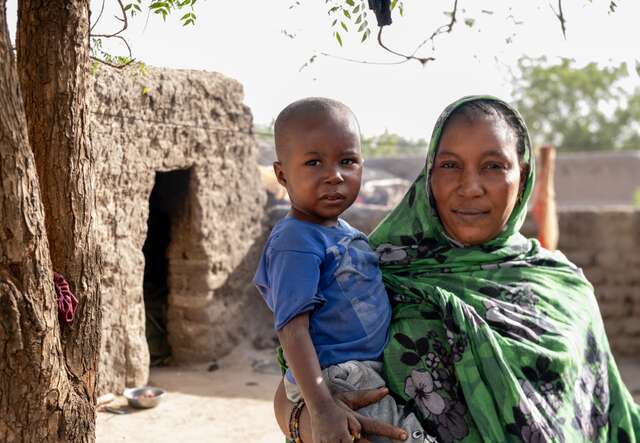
x,y
321,167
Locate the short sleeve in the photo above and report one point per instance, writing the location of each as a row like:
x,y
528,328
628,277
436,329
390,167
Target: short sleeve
x,y
289,284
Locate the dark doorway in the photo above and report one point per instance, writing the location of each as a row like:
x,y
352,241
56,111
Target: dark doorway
x,y
166,207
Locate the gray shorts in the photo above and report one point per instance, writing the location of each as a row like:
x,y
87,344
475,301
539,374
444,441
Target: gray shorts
x,y
355,375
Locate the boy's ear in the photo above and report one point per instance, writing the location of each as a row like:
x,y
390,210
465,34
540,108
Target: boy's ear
x,y
277,169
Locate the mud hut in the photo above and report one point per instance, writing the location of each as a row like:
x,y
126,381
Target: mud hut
x,y
180,213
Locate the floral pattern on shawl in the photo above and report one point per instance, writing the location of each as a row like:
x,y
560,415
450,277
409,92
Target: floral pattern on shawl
x,y
591,391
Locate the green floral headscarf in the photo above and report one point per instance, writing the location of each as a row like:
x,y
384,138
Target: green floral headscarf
x,y
498,342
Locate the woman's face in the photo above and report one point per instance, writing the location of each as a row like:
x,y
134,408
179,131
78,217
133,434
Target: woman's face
x,y
476,178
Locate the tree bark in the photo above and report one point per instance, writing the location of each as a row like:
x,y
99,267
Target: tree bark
x,y
47,377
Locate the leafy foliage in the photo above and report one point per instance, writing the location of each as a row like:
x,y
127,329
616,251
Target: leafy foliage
x,y
349,15
164,9
578,108
96,50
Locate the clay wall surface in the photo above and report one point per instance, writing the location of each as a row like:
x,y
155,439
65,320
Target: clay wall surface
x,y
167,120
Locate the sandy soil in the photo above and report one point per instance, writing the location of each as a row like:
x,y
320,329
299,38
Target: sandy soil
x,y
229,404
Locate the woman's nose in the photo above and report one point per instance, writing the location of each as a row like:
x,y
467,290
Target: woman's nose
x,y
470,185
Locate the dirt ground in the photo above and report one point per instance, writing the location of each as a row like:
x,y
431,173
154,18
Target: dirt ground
x,y
229,404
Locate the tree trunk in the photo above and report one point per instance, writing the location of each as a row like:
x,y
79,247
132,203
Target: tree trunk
x,y
47,377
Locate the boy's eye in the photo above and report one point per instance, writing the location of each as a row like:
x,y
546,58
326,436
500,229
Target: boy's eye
x,y
348,161
312,162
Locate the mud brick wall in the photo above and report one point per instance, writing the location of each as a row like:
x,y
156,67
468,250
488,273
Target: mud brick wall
x,y
605,243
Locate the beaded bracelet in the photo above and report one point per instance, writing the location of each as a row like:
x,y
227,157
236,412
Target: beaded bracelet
x,y
294,422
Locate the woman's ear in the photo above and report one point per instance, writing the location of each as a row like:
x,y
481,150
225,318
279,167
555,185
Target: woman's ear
x,y
279,171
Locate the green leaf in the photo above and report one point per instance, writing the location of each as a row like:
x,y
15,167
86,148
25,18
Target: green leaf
x,y
364,36
394,3
127,7
405,341
344,26
350,2
339,38
359,19
334,23
410,358
469,22
362,27
346,13
356,9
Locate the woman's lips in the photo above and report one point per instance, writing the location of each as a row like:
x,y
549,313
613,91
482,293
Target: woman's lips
x,y
470,214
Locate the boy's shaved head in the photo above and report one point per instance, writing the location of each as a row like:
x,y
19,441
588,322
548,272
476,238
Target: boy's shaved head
x,y
306,113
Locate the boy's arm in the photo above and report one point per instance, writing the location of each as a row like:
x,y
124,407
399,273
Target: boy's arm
x,y
303,361
329,422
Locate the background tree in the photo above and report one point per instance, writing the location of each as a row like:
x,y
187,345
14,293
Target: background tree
x,y
578,108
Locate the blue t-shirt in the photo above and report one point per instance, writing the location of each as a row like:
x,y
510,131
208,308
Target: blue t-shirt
x,y
332,273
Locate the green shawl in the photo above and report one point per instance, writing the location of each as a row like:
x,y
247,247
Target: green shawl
x,y
500,342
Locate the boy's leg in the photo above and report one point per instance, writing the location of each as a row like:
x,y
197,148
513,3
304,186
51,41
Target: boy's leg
x,y
354,375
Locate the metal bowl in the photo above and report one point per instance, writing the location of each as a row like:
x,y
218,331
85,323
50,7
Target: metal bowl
x,y
144,398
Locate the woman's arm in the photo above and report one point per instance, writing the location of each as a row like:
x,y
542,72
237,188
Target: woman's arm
x,y
351,400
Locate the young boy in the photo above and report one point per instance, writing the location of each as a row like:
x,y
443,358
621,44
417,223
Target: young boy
x,y
319,276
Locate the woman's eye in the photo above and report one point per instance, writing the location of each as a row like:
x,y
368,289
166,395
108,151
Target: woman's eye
x,y
494,165
448,165
312,162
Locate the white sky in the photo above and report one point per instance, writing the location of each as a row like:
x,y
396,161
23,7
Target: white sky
x,y
244,40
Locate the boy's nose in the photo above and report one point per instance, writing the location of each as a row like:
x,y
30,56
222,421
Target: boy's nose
x,y
334,177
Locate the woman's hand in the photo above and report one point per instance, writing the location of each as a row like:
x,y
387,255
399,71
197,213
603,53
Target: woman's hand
x,y
350,401
334,423
359,399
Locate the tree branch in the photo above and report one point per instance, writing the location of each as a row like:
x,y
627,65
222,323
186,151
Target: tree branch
x,y
125,25
364,62
444,29
113,65
560,16
124,21
99,16
422,60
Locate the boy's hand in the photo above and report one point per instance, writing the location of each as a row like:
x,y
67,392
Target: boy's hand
x,y
333,424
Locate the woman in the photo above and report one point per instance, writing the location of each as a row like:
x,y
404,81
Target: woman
x,y
493,338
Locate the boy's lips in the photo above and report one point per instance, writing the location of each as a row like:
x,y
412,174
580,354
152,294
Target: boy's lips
x,y
332,196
